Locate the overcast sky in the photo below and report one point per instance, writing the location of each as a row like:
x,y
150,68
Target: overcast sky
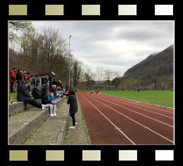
x,y
113,45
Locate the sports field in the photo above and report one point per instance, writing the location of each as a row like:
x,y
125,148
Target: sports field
x,y
158,97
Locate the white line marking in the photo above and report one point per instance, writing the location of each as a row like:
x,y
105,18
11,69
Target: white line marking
x,y
142,109
110,122
140,124
138,113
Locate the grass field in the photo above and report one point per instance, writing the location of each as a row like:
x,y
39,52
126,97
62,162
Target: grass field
x,y
158,97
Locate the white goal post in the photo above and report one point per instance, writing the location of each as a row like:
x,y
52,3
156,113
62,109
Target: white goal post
x,y
110,88
101,87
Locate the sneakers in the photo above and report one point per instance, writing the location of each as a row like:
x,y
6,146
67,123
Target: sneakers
x,y
72,127
53,114
43,106
76,123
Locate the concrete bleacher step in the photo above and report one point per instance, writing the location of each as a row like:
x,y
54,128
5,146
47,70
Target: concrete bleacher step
x,y
52,131
22,124
17,107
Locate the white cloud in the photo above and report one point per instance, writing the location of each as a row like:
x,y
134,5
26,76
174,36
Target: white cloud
x,y
117,45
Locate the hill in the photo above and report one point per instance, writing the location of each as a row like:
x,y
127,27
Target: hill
x,y
156,70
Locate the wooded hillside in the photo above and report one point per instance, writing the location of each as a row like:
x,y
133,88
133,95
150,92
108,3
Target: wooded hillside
x,y
156,71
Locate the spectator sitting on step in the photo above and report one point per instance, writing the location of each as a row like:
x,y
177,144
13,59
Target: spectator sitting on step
x,y
47,102
23,95
58,91
52,98
36,93
67,93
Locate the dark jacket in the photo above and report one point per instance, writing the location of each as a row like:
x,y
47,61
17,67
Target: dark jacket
x,y
45,99
53,90
59,84
43,90
19,76
72,100
36,93
37,80
44,80
22,93
33,80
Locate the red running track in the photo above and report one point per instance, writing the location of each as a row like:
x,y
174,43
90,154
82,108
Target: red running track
x,y
113,120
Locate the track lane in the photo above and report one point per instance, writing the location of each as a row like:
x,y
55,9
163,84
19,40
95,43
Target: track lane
x,y
160,128
140,107
140,134
100,129
146,113
153,107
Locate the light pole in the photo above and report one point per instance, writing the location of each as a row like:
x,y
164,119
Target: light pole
x,y
69,62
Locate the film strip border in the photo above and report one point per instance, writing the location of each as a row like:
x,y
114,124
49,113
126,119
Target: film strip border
x,y
91,10
90,155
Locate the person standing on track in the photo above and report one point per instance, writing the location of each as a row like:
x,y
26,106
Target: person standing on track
x,y
98,90
72,100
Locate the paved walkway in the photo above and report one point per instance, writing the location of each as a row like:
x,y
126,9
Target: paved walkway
x,y
55,130
79,135
51,132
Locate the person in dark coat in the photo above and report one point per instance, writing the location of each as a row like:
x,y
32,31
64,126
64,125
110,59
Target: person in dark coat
x,y
36,93
53,90
72,100
54,82
23,95
60,84
44,81
45,98
44,89
33,82
19,78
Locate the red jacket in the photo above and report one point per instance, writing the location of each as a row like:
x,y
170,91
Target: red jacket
x,y
67,92
28,78
12,76
22,78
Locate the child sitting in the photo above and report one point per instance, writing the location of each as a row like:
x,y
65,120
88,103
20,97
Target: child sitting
x,y
52,98
58,93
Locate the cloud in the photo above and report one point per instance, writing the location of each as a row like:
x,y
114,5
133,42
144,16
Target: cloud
x,y
114,44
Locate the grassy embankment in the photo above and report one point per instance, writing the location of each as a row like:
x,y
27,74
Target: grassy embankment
x,y
158,97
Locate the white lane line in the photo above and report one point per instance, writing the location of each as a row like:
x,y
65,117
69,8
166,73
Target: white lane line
x,y
110,121
139,123
145,104
138,113
142,108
